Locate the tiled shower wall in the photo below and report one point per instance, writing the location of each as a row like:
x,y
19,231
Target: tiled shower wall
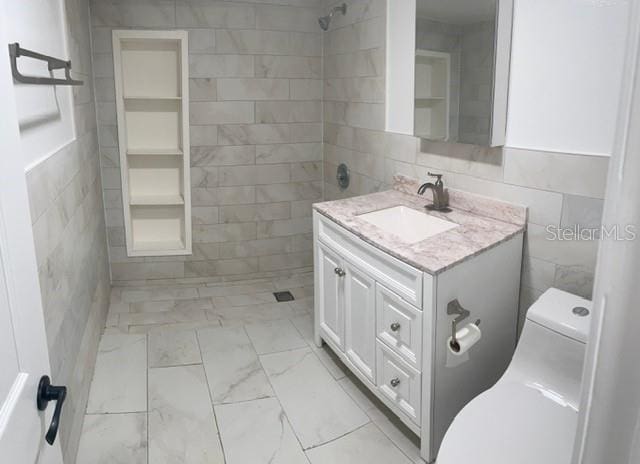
x,y
561,190
256,132
67,213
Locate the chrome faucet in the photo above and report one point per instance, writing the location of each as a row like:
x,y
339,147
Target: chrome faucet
x,y
440,194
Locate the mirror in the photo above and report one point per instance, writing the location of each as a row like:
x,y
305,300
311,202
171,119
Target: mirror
x,y
456,58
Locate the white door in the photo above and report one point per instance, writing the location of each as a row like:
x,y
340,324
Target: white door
x,y
330,292
24,356
360,313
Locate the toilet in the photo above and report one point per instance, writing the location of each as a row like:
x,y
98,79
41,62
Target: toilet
x,y
530,415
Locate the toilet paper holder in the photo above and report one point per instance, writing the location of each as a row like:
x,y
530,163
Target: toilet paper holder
x,y
455,308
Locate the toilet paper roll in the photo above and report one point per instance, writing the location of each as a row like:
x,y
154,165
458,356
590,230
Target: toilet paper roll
x,y
466,337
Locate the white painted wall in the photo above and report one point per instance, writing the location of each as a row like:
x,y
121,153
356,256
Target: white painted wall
x,y
45,113
566,70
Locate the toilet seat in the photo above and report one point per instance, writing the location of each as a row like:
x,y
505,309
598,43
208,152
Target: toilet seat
x,y
512,423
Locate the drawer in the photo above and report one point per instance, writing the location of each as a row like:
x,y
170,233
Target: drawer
x,y
398,382
403,279
399,326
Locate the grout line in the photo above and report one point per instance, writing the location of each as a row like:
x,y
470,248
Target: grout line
x,y
211,403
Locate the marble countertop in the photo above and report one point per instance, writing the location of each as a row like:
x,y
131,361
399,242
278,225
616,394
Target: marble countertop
x,y
483,224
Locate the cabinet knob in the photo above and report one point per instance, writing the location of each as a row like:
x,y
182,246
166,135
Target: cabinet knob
x,y
395,382
395,326
340,272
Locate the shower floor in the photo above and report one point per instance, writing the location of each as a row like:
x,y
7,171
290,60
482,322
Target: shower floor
x,y
222,373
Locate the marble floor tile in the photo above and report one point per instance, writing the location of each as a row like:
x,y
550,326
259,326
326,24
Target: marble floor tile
x,y
166,317
360,393
150,328
173,348
238,289
233,370
367,445
304,324
158,294
170,305
251,299
318,409
241,315
120,378
397,432
274,336
113,439
182,427
258,432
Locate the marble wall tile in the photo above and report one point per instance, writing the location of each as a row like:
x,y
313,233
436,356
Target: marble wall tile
x,y
260,247
290,152
305,89
181,426
270,17
288,66
221,112
133,14
109,438
255,175
318,409
285,111
223,156
233,370
202,41
203,89
573,174
250,41
253,89
220,66
251,213
210,15
254,134
258,432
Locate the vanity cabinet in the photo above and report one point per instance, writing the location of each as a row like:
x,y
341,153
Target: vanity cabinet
x,y
387,322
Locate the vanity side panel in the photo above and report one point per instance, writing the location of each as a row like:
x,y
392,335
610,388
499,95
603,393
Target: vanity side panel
x,y
488,285
429,283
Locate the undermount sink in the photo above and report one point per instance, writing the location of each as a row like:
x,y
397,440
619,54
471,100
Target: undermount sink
x,y
409,225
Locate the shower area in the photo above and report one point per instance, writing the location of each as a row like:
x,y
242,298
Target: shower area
x,y
201,345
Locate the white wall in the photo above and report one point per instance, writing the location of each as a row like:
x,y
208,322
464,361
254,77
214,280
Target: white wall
x,y
566,69
45,112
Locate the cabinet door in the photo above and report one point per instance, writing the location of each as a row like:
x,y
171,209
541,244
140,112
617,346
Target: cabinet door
x,y
360,310
331,293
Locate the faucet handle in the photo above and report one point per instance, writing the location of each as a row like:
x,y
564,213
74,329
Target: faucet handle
x,y
438,180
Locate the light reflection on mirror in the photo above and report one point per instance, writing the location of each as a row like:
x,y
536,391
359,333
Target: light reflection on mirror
x,y
455,41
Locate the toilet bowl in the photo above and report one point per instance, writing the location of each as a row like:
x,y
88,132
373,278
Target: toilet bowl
x,y
529,416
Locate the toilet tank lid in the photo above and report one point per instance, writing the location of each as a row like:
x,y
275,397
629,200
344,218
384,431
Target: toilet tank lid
x,y
562,312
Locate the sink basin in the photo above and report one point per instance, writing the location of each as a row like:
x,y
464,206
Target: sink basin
x,y
409,225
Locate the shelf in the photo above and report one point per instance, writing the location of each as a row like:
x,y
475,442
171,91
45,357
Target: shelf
x,y
170,245
152,94
156,200
151,98
154,152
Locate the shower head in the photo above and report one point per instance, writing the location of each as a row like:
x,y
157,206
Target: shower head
x,y
326,20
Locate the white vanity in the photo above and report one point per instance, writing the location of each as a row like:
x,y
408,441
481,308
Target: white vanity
x,y
385,271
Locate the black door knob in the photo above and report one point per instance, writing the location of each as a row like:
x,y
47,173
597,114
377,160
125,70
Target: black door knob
x,y
46,393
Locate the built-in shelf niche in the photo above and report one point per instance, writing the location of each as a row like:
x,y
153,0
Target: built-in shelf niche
x,y
152,103
432,94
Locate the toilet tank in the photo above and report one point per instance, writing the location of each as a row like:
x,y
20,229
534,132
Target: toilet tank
x,y
551,349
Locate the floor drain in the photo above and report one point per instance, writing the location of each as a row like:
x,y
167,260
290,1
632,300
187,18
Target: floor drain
x,y
283,296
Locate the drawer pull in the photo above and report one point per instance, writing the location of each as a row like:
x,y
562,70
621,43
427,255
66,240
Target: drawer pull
x,y
395,327
395,382
340,272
